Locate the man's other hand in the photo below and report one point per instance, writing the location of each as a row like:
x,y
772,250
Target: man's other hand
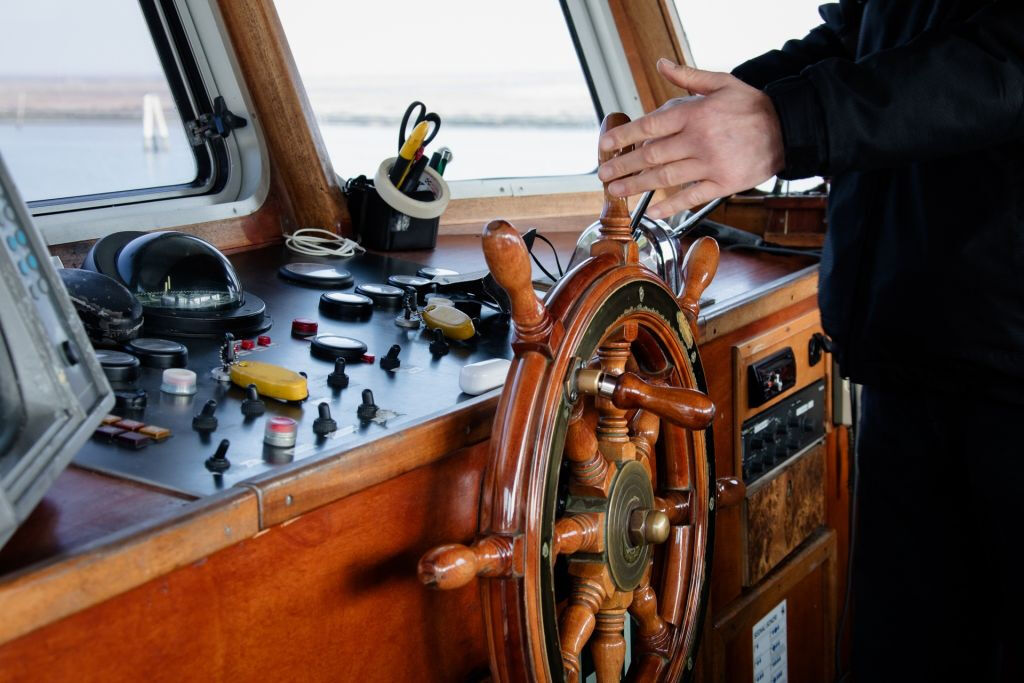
x,y
723,140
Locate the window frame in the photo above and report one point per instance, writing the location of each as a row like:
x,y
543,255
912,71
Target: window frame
x,y
230,171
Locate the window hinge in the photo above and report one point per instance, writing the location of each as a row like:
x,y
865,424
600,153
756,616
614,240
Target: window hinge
x,y
219,124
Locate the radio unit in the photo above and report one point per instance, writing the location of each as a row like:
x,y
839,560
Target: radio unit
x,y
771,438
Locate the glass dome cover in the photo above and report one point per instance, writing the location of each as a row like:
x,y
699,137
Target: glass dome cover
x,y
174,271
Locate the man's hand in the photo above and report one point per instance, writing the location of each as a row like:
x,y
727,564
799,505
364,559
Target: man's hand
x,y
723,141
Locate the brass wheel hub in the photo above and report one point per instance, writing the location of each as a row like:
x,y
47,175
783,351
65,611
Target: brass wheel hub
x,y
632,525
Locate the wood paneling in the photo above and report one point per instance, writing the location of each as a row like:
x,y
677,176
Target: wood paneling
x,y
330,596
648,34
807,584
781,511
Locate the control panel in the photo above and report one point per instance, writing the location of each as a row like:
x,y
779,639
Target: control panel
x,y
359,347
771,438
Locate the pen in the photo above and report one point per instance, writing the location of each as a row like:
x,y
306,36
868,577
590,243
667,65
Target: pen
x,y
408,153
439,160
412,178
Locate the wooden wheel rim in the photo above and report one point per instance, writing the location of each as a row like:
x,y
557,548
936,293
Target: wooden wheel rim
x,y
616,295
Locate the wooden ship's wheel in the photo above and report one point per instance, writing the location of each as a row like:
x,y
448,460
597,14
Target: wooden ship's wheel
x,y
597,514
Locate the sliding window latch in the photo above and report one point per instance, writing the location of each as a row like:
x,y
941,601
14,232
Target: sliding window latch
x,y
219,124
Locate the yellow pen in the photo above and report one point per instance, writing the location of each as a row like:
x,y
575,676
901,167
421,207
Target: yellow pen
x,y
407,153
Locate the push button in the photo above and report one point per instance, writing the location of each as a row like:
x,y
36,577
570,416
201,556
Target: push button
x,y
21,237
23,266
33,262
12,244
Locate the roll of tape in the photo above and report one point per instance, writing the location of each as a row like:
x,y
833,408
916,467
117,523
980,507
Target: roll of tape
x,y
407,205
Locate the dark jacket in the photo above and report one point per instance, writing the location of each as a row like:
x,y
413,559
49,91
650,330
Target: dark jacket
x,y
915,108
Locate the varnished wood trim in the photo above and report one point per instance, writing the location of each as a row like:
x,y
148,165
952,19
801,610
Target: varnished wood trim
x,y
728,316
298,154
38,597
648,33
468,216
303,487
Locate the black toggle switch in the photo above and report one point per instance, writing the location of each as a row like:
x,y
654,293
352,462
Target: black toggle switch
x,y
253,406
218,462
367,409
391,360
439,347
324,424
338,379
206,422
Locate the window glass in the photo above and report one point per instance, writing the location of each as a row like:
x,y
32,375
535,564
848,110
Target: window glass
x,y
503,77
84,104
722,35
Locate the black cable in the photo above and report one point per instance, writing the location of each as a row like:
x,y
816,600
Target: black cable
x,y
855,466
813,253
541,265
554,251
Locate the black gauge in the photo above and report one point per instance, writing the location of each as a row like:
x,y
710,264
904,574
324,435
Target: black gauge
x,y
109,312
386,296
158,353
430,272
332,346
345,305
119,367
316,274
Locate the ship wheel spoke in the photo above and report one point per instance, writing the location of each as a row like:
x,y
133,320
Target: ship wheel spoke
x,y
578,619
646,426
608,646
612,426
654,636
590,471
676,574
579,533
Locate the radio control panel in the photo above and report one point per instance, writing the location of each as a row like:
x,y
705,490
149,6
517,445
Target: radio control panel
x,y
771,438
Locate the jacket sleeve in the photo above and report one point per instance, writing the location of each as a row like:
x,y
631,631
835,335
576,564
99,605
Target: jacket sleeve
x,y
951,90
836,37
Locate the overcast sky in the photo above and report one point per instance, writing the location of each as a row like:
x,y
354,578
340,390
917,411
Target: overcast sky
x,y
107,37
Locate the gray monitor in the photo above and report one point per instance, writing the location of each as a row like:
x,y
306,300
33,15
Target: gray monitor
x,y
53,392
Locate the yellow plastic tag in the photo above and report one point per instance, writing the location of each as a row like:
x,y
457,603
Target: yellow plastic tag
x,y
451,321
270,380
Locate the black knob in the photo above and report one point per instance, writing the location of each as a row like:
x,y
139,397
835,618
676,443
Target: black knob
x,y
338,379
324,424
252,406
205,422
391,361
218,462
757,443
368,409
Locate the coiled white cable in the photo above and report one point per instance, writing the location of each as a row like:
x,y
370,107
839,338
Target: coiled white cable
x,y
319,242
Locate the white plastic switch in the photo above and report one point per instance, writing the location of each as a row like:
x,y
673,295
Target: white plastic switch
x,y
178,381
476,378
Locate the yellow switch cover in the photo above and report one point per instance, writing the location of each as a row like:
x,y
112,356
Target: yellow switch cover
x,y
451,321
272,381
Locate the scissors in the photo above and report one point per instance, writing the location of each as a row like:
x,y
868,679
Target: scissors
x,y
422,115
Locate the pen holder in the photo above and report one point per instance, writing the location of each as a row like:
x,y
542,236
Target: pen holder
x,y
388,220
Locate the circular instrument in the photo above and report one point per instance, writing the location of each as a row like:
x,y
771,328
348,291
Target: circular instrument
x,y
332,346
158,353
598,504
316,274
119,367
430,272
385,296
346,305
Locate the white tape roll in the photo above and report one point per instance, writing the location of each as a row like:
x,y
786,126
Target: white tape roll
x,y
407,205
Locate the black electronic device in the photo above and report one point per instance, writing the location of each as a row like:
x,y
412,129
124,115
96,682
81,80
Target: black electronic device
x,y
102,256
421,284
769,377
782,431
109,312
320,275
53,392
346,305
385,296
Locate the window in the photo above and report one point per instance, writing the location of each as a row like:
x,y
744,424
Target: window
x,y
723,35
505,79
85,107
